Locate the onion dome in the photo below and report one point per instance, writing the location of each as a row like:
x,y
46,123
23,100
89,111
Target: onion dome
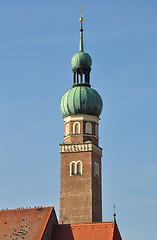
x,y
81,59
81,100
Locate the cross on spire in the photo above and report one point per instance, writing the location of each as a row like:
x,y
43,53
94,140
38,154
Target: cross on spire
x,y
81,11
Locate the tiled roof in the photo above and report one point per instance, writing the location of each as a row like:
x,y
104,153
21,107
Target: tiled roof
x,y
31,224
27,224
89,231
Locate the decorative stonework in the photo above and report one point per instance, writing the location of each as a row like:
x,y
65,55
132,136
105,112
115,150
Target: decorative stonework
x,y
80,147
81,117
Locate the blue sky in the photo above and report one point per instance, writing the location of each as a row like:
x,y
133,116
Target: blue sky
x,y
37,41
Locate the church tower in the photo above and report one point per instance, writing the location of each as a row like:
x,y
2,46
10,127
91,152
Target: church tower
x,y
81,106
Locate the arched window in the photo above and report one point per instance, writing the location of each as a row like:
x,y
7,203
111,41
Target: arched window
x,y
79,168
96,169
72,168
67,130
88,128
96,129
75,168
76,128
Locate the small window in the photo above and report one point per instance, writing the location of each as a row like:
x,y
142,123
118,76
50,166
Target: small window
x,y
76,128
79,168
72,168
67,130
96,129
96,169
88,128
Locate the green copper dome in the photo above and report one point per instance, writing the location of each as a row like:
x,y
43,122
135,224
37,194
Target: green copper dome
x,y
81,100
81,59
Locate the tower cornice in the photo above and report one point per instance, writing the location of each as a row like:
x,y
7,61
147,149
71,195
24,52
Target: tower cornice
x,y
80,147
83,117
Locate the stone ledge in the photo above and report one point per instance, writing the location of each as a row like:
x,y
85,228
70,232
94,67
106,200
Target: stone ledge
x,y
79,147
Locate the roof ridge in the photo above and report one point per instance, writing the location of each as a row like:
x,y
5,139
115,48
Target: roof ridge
x,y
85,224
26,208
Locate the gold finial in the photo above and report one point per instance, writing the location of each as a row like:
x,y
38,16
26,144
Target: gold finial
x,y
81,18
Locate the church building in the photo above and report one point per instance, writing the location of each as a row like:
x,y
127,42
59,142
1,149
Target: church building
x,y
81,180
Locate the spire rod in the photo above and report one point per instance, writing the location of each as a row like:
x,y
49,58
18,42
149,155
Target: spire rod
x,y
81,33
114,214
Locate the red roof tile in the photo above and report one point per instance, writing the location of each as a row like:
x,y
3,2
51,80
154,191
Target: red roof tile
x,y
28,224
89,231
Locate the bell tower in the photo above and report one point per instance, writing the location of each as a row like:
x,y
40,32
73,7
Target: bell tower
x,y
81,106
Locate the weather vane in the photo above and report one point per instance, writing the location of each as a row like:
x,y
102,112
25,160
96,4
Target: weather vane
x,y
114,207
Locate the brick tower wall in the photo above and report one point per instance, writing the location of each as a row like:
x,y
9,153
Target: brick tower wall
x,y
80,194
96,190
76,191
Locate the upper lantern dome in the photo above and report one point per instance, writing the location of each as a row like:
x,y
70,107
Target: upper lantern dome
x,y
81,59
